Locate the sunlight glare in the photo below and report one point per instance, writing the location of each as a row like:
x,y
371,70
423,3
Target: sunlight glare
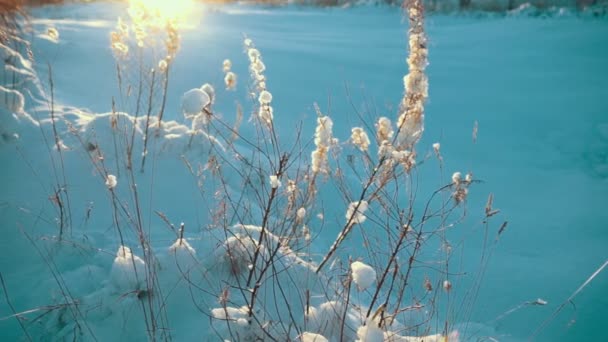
x,y
171,10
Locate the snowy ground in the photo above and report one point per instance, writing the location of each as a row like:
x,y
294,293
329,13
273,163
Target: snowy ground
x,y
536,87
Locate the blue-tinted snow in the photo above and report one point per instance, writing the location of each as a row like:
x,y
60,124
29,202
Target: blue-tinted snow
x,y
536,86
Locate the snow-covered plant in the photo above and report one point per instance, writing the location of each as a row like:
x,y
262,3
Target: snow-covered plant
x,y
111,182
275,182
128,271
410,123
323,142
359,138
256,69
230,80
355,212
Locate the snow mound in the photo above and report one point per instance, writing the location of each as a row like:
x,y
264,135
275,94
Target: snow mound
x,y
128,270
311,337
184,254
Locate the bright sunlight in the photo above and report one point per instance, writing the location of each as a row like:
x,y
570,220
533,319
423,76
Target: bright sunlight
x,y
174,9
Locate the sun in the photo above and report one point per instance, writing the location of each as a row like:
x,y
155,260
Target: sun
x,y
168,9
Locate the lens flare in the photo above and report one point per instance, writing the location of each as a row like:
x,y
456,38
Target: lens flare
x,y
171,10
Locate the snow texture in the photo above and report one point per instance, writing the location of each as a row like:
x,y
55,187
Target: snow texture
x,y
363,275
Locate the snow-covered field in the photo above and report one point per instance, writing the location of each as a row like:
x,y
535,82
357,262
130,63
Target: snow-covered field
x,y
532,90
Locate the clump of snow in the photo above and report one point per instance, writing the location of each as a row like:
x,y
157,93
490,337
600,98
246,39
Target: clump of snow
x,y
370,332
406,158
384,129
323,132
266,114
265,97
274,181
456,178
254,54
128,270
257,68
53,34
355,212
226,65
230,313
163,65
194,101
111,182
236,254
210,91
185,255
359,138
411,112
327,318
230,80
447,285
323,141
363,275
301,213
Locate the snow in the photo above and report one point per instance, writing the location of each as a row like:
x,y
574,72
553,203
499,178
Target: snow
x,y
535,85
359,138
111,182
226,65
184,254
15,102
194,101
370,333
128,271
456,177
210,91
355,212
265,97
363,275
311,337
274,181
301,213
230,80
